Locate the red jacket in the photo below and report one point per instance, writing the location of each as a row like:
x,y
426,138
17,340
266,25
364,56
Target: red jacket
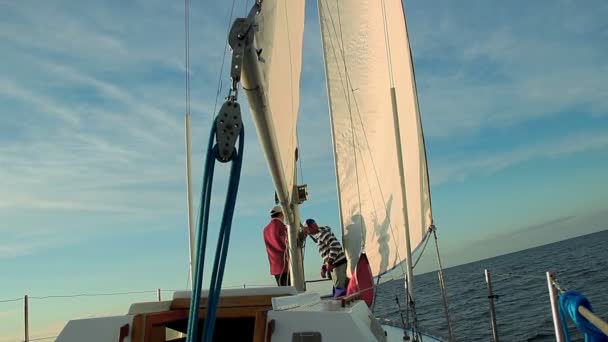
x,y
275,237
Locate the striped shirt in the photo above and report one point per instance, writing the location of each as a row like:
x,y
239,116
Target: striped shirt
x,y
329,246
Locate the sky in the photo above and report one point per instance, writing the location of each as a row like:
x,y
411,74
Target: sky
x,y
513,100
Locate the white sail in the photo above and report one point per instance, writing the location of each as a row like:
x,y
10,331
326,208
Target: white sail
x,y
279,35
366,52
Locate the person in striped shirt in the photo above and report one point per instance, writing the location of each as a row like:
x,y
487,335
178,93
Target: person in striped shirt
x,y
334,260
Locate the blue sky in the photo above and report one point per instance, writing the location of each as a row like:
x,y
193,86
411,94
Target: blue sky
x,y
514,105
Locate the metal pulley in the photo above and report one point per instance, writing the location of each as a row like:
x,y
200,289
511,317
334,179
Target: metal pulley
x,y
228,127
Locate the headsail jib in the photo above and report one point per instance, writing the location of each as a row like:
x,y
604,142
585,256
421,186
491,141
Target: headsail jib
x,y
367,53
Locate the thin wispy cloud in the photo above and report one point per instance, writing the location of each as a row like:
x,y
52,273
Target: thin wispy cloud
x,y
17,249
14,91
124,135
522,65
92,118
452,169
91,139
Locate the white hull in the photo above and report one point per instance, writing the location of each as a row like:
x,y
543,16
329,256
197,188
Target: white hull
x,y
277,313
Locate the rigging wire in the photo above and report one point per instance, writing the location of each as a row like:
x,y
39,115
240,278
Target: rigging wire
x,y
348,101
426,241
11,300
41,338
188,71
294,124
300,162
345,85
219,79
92,294
188,278
443,287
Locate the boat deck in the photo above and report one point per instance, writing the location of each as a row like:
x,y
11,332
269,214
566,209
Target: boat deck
x,y
258,315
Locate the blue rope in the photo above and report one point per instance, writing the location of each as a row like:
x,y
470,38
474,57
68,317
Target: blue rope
x,y
222,246
203,222
222,250
569,302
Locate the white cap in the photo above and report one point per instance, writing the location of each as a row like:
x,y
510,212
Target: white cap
x,y
276,209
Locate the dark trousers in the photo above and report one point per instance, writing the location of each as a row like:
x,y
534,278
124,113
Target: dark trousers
x,y
283,279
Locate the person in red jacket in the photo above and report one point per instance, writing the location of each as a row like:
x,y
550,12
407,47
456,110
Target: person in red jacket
x,y
275,237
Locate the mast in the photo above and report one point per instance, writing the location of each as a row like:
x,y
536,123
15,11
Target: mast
x,y
253,85
408,247
419,123
409,283
191,233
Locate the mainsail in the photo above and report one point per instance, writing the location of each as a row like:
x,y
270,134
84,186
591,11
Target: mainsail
x,y
279,35
272,63
366,52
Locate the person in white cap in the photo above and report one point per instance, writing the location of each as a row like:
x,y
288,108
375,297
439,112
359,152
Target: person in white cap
x,y
275,237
